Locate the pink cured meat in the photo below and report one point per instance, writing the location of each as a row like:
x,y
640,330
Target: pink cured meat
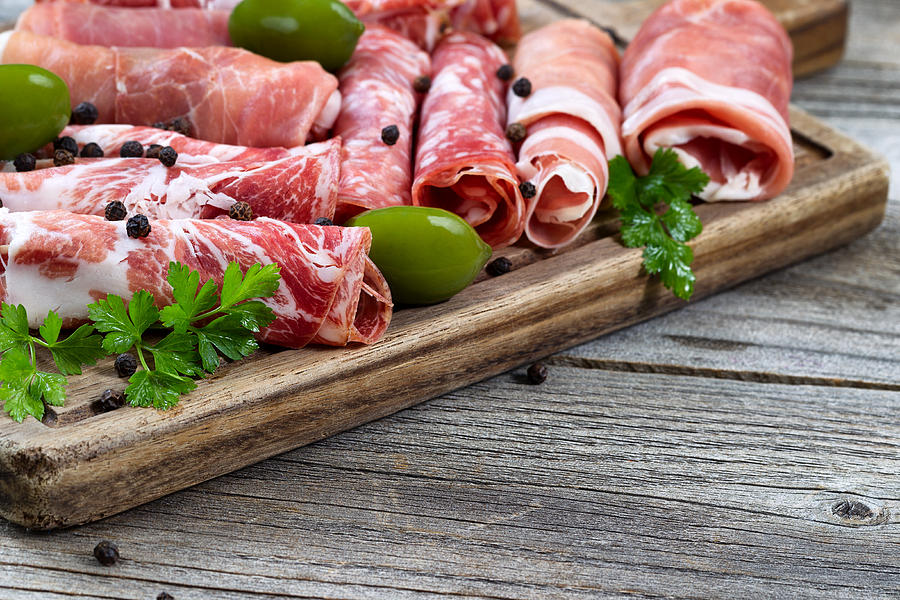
x,y
572,118
712,80
110,138
117,26
208,4
464,163
229,95
494,19
377,91
330,291
298,188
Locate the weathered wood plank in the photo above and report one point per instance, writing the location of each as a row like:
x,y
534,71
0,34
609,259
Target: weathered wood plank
x,y
594,482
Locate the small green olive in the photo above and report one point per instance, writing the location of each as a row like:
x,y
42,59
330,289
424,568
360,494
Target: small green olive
x,y
426,254
34,108
288,30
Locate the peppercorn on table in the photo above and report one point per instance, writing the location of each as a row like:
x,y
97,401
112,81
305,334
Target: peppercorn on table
x,y
742,446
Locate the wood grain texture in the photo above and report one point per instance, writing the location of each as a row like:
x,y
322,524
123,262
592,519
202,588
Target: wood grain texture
x,y
274,402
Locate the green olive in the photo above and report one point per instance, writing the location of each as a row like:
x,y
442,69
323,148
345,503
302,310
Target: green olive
x,y
287,30
34,108
426,254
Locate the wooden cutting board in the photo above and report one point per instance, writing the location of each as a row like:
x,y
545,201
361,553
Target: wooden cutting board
x,y
79,465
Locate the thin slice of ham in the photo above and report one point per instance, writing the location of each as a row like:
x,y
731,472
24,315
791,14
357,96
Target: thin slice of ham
x,y
117,26
464,163
572,118
377,91
712,79
228,95
207,4
298,188
190,150
330,291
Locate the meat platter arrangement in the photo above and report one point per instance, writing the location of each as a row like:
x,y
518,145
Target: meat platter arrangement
x,y
185,192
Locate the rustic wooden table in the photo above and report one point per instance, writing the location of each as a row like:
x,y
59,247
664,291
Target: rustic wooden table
x,y
745,446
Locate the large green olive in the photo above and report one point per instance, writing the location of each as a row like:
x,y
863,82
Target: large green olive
x,y
426,254
34,108
287,30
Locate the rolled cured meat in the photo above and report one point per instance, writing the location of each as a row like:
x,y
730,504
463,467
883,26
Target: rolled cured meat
x,y
228,95
377,91
208,4
84,23
572,118
110,138
494,19
330,292
298,188
464,163
711,79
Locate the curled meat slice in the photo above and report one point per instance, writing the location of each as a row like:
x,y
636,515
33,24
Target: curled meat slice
x,y
464,163
228,95
711,79
298,188
572,119
377,91
330,291
84,23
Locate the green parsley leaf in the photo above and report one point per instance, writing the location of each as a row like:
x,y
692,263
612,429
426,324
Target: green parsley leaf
x,y
637,199
123,328
176,354
189,302
16,368
257,282
50,386
157,389
82,347
254,315
19,403
51,327
13,327
230,337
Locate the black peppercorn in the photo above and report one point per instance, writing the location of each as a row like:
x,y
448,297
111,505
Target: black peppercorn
x,y
168,156
390,135
125,365
66,143
131,149
111,400
24,162
422,84
84,114
505,72
137,226
522,87
160,125
240,211
180,125
165,596
153,151
537,373
92,150
516,132
106,553
115,211
63,157
499,266
324,221
1,202
528,190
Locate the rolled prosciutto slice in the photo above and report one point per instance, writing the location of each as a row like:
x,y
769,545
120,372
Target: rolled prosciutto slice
x,y
110,138
298,188
711,79
494,19
464,163
228,95
117,26
377,91
330,292
572,118
208,4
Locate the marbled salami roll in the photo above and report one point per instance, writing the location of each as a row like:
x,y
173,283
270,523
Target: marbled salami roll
x,y
464,163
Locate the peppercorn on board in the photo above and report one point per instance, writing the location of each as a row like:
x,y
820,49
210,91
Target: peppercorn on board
x,y
278,400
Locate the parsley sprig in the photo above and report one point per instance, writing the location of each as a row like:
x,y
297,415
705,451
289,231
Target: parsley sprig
x,y
204,321
25,389
640,201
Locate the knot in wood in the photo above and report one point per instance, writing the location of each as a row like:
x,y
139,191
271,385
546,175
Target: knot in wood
x,y
852,509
